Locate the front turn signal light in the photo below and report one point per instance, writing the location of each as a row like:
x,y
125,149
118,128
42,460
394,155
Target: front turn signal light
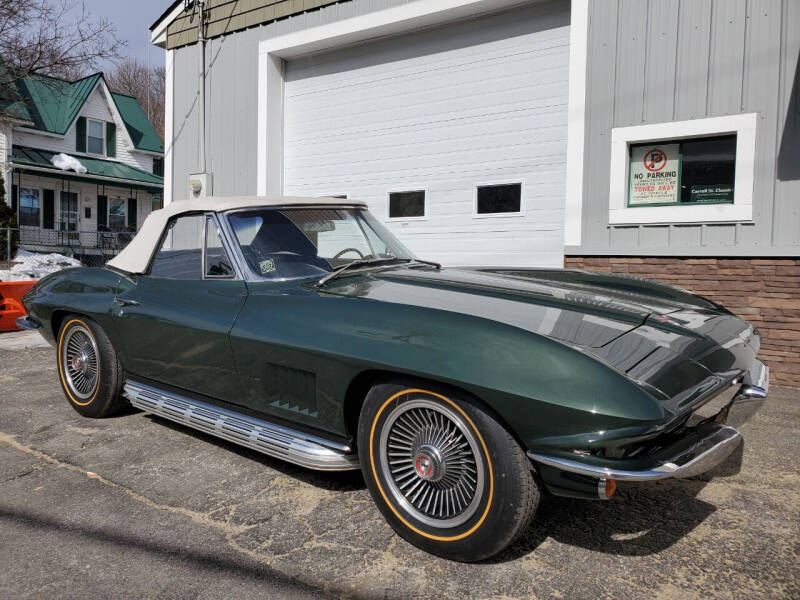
x,y
606,488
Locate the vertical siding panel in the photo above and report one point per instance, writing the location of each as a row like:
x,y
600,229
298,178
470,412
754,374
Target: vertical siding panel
x,y
630,65
654,236
659,91
760,94
686,236
602,49
185,126
691,78
719,235
746,235
625,237
726,65
246,142
787,193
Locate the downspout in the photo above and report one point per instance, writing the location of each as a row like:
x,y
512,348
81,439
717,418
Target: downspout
x,y
201,44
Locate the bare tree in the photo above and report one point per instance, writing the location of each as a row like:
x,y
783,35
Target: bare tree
x,y
53,37
143,83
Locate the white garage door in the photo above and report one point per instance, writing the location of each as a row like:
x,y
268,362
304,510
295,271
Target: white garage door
x,y
444,111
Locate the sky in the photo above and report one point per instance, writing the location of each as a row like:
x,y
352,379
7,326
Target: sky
x,y
132,19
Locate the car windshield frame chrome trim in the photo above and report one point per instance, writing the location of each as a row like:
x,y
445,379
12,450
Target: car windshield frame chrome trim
x,y
238,255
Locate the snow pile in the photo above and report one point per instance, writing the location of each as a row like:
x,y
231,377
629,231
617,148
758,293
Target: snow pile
x,y
35,266
65,162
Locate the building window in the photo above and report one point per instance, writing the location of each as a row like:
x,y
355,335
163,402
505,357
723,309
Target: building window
x,y
94,136
695,171
158,167
407,205
504,198
29,207
156,203
116,214
699,171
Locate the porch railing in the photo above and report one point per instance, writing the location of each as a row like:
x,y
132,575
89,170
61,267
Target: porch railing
x,y
100,244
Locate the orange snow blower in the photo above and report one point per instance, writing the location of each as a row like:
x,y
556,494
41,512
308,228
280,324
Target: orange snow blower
x,y
11,308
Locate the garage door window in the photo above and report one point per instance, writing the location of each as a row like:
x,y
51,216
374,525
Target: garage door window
x,y
407,205
499,199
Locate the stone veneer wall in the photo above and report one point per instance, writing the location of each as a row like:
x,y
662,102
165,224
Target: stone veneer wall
x,y
765,291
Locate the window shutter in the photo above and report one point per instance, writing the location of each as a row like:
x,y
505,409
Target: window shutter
x,y
102,213
80,135
48,210
111,139
14,195
132,214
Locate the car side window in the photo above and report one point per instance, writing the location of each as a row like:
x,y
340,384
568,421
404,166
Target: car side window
x,y
217,264
181,253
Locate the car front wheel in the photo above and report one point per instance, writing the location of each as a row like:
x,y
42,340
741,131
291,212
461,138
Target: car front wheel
x,y
445,474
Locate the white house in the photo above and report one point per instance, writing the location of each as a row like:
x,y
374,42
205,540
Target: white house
x,y
92,211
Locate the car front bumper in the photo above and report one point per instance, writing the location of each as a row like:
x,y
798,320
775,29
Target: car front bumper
x,y
28,322
706,446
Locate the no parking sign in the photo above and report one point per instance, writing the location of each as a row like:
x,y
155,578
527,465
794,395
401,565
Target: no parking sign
x,y
655,174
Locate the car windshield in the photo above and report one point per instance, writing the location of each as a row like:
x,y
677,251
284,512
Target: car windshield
x,y
282,243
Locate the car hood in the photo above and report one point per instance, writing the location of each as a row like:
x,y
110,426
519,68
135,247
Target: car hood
x,y
678,347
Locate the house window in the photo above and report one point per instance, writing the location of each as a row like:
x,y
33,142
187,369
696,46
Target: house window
x,y
116,214
158,167
94,136
69,211
698,171
156,203
504,198
407,205
29,207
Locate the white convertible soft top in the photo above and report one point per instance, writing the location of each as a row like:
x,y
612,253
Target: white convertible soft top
x,y
136,255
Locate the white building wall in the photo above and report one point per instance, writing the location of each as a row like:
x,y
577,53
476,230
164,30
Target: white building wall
x,y
5,130
6,141
4,145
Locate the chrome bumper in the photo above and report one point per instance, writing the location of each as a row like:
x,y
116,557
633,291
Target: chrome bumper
x,y
717,442
27,322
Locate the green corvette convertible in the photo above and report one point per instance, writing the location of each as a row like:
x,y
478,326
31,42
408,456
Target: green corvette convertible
x,y
303,329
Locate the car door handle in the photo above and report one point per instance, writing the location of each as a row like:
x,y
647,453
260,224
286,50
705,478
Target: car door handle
x,y
124,302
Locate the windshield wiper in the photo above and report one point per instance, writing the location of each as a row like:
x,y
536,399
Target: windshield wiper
x,y
360,263
371,262
426,262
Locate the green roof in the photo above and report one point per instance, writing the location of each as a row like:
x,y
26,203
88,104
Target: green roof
x,y
139,127
52,104
107,169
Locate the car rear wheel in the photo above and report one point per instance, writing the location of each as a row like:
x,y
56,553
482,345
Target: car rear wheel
x,y
88,368
445,474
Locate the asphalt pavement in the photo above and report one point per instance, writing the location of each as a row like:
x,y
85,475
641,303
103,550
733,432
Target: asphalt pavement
x,y
135,506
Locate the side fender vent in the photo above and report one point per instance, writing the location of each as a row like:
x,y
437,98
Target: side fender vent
x,y
290,389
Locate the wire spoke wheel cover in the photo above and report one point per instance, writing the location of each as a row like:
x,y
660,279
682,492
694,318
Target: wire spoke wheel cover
x,y
79,358
432,464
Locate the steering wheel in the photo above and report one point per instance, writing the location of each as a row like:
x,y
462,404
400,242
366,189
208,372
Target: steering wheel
x,y
345,251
